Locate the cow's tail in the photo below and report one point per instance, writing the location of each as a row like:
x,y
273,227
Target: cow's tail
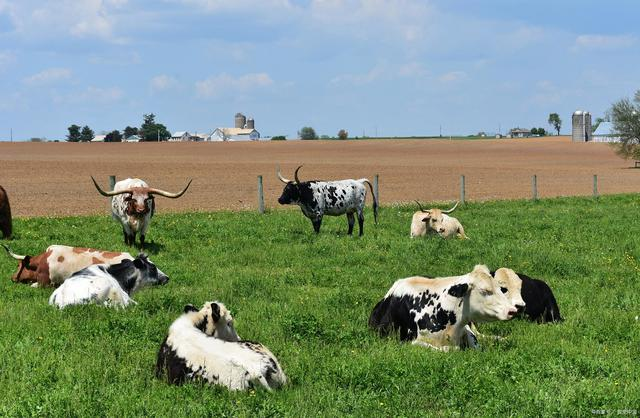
x,y
12,254
375,201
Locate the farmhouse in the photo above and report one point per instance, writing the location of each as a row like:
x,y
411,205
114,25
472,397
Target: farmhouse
x,y
605,133
180,136
234,134
133,138
98,138
519,133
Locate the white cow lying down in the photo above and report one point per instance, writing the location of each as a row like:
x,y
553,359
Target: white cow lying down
x,y
436,221
203,345
110,285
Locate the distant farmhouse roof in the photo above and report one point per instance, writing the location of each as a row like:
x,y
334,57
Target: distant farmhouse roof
x,y
234,134
519,133
98,138
180,136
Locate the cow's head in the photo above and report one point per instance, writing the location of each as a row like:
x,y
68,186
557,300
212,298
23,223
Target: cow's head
x,y
433,218
291,192
486,301
215,320
27,271
140,199
137,273
511,285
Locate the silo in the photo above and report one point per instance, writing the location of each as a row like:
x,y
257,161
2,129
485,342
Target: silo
x,y
241,120
250,124
581,126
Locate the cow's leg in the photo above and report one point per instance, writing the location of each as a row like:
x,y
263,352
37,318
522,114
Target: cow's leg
x,y
316,224
126,236
352,220
141,241
361,221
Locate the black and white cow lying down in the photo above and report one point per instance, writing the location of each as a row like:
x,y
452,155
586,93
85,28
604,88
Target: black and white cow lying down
x,y
436,312
318,198
540,303
203,345
110,285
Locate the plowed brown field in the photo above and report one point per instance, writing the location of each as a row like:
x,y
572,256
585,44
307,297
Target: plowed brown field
x,y
52,179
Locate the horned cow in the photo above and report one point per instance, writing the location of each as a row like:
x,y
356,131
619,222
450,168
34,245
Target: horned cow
x,y
108,285
436,312
58,262
318,198
436,221
5,214
195,349
133,205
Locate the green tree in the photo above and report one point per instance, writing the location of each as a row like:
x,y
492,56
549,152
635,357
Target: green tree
x,y
555,122
307,132
86,135
130,131
74,133
343,134
152,131
625,119
113,136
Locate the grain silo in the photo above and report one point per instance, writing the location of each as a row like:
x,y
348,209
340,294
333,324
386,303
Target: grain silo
x,y
581,126
241,120
250,123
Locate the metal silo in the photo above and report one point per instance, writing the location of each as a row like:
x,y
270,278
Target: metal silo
x,y
241,120
581,126
250,123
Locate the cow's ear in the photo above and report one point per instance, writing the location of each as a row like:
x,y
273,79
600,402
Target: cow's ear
x,y
459,290
190,308
26,263
138,262
426,219
215,311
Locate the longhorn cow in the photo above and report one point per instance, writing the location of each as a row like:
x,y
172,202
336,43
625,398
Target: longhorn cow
x,y
133,205
318,198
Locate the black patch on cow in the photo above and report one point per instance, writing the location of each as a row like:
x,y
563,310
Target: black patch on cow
x,y
124,272
458,290
169,362
332,196
540,303
202,324
215,312
190,308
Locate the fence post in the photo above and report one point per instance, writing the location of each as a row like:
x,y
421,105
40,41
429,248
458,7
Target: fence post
x,y
112,182
595,186
534,187
462,191
376,179
260,195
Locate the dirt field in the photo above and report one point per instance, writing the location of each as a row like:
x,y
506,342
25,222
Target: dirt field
x,y
52,179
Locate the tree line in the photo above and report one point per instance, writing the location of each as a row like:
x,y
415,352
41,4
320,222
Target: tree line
x,y
149,131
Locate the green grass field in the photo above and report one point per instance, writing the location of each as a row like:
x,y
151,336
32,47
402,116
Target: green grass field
x,y
308,299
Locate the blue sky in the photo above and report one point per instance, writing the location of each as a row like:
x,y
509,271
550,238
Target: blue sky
x,y
395,67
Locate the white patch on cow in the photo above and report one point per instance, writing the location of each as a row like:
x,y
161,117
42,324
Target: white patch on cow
x,y
91,285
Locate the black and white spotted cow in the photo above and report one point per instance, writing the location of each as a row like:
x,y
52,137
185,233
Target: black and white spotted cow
x,y
540,303
203,345
133,205
436,312
318,198
109,285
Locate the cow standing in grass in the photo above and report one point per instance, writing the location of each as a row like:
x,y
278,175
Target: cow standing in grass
x,y
133,205
334,198
5,214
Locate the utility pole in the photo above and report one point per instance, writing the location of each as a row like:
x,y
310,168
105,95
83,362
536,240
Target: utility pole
x,y
158,135
11,134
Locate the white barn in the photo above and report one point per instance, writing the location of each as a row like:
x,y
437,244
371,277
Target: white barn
x,y
605,133
180,136
234,134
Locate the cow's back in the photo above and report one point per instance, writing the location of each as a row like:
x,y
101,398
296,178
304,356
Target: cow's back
x,y
540,303
63,261
90,285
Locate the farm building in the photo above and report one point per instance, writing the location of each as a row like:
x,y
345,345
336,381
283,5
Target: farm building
x,y
519,133
581,126
180,136
234,134
199,137
605,133
133,138
98,138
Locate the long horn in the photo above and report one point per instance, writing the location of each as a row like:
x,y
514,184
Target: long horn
x,y
282,179
421,208
12,254
170,195
452,209
108,194
295,175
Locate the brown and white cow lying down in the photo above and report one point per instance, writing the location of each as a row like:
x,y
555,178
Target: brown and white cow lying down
x,y
436,221
436,312
59,262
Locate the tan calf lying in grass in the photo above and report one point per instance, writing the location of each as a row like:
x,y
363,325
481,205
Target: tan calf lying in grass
x,y
436,221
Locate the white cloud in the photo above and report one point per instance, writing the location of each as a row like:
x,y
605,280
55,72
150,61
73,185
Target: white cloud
x,y
215,6
221,84
453,76
162,82
48,76
586,42
92,95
